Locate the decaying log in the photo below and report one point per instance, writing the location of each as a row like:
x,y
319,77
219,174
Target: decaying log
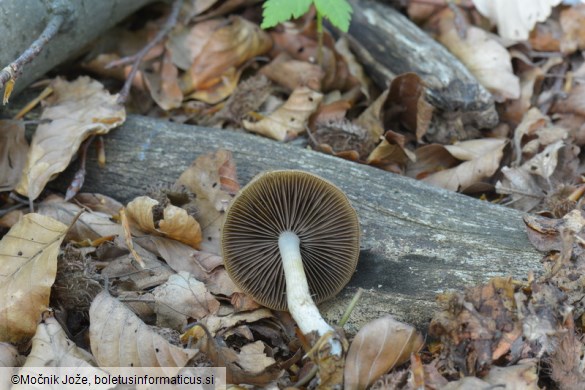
x,y
22,21
417,240
388,44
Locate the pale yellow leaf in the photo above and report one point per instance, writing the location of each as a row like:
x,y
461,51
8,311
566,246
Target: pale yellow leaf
x,y
175,223
119,338
28,266
75,111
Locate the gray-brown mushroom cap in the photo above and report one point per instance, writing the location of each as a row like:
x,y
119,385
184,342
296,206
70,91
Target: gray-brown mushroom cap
x,y
317,211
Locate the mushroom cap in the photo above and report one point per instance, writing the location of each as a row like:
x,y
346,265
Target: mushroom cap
x,y
314,209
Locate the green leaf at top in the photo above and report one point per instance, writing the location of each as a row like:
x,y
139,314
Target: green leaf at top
x,y
337,11
278,11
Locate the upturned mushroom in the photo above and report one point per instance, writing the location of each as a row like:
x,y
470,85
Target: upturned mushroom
x,y
291,239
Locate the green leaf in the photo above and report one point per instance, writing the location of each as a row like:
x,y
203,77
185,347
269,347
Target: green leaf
x,y
278,11
337,11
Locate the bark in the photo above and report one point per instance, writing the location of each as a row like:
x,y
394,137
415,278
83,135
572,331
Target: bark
x,y
387,44
417,240
22,21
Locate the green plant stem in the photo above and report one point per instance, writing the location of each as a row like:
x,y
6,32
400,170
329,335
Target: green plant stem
x,y
319,38
350,307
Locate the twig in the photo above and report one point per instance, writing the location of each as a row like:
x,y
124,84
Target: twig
x,y
11,72
137,58
79,176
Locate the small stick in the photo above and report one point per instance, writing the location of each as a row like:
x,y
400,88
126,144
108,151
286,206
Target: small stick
x,y
11,72
137,58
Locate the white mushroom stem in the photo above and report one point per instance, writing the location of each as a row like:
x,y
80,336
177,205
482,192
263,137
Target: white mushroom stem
x,y
300,304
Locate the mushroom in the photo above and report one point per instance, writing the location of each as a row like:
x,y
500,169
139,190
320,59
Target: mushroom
x,y
291,239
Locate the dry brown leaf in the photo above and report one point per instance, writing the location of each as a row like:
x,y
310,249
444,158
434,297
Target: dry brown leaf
x,y
379,346
229,46
163,84
175,223
99,203
205,267
180,298
215,323
545,162
52,348
76,110
212,178
290,119
515,19
119,338
572,21
28,266
522,187
219,91
520,376
482,162
250,366
185,44
291,73
13,151
574,103
391,153
487,59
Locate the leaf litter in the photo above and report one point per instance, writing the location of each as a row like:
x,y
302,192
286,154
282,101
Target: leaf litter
x,y
219,68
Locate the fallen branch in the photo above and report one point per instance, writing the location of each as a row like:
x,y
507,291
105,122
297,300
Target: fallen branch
x,y
417,240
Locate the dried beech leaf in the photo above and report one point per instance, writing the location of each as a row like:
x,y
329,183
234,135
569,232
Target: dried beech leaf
x,y
76,110
291,73
379,346
163,85
487,160
545,162
175,222
13,151
219,91
522,186
487,59
180,298
229,46
250,366
185,44
212,178
515,19
205,267
215,323
28,266
290,119
119,338
52,348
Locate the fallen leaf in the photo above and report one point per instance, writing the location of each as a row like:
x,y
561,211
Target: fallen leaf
x,y
215,323
545,162
174,222
515,20
572,21
290,119
487,59
229,46
205,267
219,91
119,338
482,162
521,186
186,43
28,266
163,84
379,346
207,177
180,298
13,151
76,110
291,73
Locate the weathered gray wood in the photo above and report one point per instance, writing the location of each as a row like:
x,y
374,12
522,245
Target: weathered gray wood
x,y
387,44
21,22
418,240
